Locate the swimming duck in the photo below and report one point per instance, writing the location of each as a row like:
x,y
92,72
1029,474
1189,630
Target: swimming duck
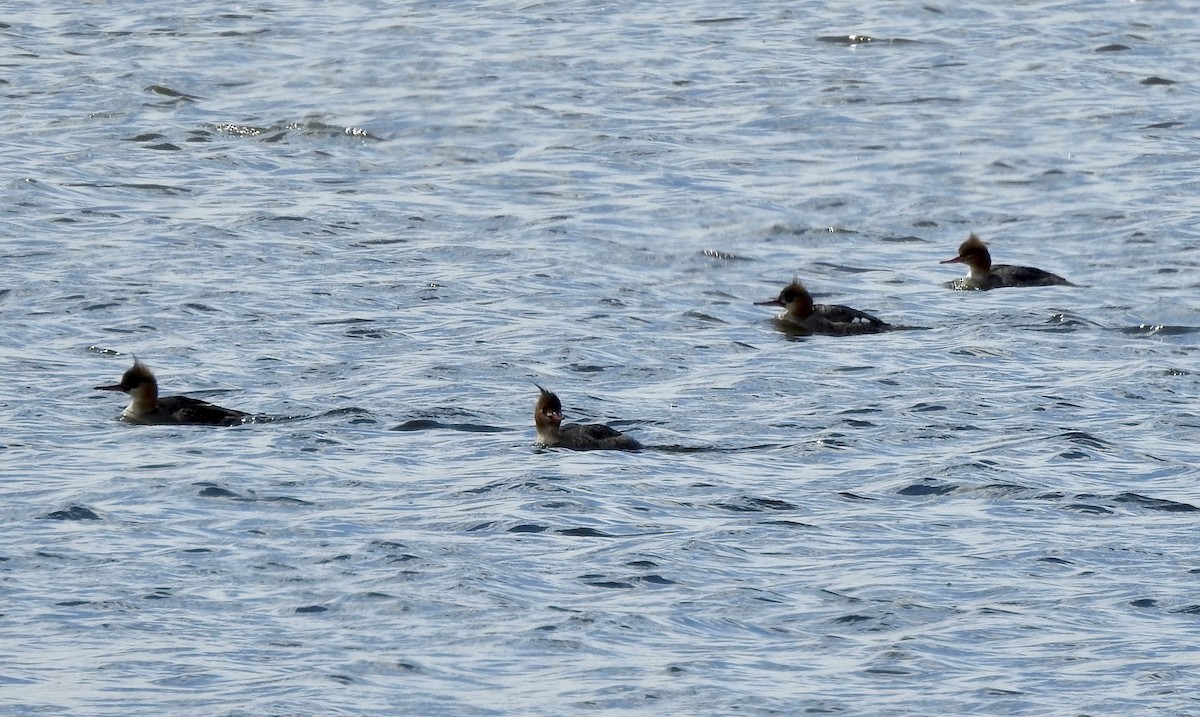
x,y
983,275
547,417
146,407
834,319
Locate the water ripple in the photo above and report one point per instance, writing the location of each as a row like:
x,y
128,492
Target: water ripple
x,y
375,227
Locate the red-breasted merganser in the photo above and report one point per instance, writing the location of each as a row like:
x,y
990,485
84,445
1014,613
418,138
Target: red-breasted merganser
x,y
834,319
146,407
983,275
547,416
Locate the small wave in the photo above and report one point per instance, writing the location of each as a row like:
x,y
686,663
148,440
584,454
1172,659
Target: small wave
x,y
863,40
1084,438
719,20
212,490
1157,330
263,418
678,448
428,424
172,93
1163,504
283,130
747,504
724,255
922,489
75,512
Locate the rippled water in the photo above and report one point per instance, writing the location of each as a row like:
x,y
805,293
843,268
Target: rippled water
x,y
378,224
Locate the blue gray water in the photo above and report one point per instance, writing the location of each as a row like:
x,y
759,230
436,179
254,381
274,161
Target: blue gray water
x,y
354,218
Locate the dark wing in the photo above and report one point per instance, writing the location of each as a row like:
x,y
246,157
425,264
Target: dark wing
x,y
593,431
845,315
192,410
595,435
1010,275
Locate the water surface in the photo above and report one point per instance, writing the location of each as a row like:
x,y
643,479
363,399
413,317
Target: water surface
x,y
380,224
